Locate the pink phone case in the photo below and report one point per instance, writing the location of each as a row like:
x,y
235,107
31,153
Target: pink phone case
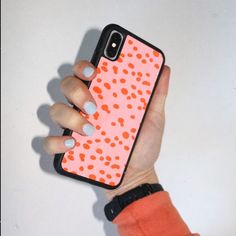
x,y
122,89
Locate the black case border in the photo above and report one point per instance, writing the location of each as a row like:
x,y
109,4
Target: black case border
x,y
98,53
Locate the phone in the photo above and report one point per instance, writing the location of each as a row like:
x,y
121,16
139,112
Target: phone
x,y
128,71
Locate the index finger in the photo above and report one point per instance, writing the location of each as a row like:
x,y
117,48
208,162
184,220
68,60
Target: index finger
x,y
85,70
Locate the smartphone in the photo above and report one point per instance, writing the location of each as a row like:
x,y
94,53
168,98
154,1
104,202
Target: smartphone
x,y
128,69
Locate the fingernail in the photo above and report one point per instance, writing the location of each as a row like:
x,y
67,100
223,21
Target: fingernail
x,y
90,108
88,129
69,143
88,71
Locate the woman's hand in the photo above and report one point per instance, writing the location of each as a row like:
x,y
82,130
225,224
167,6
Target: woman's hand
x,y
141,167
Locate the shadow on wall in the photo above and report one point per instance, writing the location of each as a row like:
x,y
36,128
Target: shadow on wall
x,y
46,162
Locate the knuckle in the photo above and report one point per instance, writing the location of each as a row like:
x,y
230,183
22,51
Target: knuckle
x,y
45,142
77,66
46,145
80,63
75,92
71,87
167,68
76,121
55,108
83,61
66,82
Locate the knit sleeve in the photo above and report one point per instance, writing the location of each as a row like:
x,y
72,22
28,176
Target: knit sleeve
x,y
152,216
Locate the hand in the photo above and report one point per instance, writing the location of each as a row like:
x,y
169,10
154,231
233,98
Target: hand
x,y
147,148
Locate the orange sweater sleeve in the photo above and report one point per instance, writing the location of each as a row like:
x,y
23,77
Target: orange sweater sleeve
x,y
153,215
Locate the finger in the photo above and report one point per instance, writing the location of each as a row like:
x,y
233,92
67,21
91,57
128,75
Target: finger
x,y
68,117
163,84
159,97
54,144
85,70
77,93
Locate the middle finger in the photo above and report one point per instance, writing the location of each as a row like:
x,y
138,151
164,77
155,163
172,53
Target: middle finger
x,y
78,94
68,117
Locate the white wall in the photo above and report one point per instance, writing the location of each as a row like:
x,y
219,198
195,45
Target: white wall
x,y
41,39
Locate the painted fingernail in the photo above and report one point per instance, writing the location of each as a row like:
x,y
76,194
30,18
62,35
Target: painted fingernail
x,y
90,108
88,71
69,143
88,129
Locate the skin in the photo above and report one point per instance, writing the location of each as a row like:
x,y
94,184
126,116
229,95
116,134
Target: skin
x,y
147,148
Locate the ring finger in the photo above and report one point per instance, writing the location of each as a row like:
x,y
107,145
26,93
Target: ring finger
x,y
76,91
68,117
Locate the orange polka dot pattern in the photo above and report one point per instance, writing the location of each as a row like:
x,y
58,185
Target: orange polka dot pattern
x,y
122,90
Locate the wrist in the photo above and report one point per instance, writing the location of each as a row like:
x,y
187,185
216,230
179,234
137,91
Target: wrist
x,y
133,180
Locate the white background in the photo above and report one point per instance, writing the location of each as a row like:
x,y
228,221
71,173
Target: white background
x,y
41,39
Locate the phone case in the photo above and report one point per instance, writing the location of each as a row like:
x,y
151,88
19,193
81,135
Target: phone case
x,y
123,89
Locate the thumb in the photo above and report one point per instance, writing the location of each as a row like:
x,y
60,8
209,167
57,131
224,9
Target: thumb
x,y
159,97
